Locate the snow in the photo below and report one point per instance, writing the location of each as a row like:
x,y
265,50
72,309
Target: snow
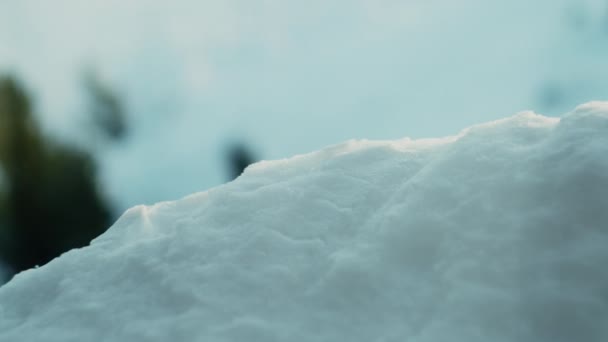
x,y
498,233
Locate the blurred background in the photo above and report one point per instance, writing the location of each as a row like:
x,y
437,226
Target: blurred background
x,y
105,104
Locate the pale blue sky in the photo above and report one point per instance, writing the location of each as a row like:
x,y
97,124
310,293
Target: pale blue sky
x,y
294,76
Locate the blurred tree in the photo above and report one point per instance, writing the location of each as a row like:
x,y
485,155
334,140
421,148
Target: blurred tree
x,y
238,158
106,107
51,202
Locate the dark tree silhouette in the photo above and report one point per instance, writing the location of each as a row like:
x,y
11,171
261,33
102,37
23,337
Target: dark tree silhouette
x,y
238,158
51,202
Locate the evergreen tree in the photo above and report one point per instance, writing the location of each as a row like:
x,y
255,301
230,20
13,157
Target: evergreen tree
x,y
50,201
238,157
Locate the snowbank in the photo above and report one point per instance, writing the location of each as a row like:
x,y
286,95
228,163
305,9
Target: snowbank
x,y
497,234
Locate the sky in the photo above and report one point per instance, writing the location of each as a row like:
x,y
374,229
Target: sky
x,y
289,77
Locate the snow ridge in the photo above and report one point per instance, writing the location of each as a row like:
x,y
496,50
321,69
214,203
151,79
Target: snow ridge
x,y
498,233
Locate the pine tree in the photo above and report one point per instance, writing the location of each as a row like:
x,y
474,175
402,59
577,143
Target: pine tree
x,y
50,201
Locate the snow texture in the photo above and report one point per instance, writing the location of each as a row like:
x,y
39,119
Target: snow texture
x,y
496,234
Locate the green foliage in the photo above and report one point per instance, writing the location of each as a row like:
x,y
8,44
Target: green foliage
x,y
50,202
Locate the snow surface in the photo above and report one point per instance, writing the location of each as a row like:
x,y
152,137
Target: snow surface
x,y
496,234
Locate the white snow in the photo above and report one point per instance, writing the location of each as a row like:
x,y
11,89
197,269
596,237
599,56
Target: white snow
x,y
496,234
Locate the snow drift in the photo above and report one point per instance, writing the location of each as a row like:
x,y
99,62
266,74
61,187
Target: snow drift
x,y
499,233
